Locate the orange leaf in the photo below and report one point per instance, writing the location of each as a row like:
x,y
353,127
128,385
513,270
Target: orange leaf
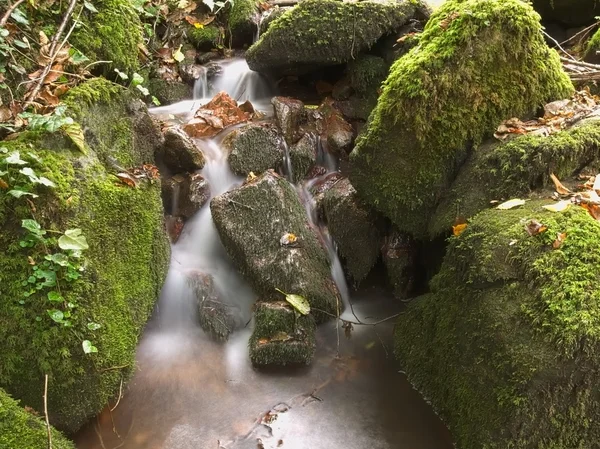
x,y
560,238
459,229
534,227
3,184
558,185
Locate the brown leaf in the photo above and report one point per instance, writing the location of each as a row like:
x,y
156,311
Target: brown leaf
x,y
202,20
61,90
560,238
127,179
534,228
593,209
5,114
558,185
3,184
444,24
48,98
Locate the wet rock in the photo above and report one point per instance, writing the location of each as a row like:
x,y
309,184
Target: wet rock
x,y
169,92
252,219
320,188
337,135
185,194
174,226
354,228
356,107
191,72
399,257
326,32
179,152
568,12
207,56
288,116
281,336
216,318
366,73
303,156
423,127
254,148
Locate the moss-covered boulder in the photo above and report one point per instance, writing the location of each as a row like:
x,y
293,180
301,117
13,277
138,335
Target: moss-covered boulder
x,y
446,94
506,345
326,32
169,92
571,13
303,156
281,336
123,268
254,148
592,48
366,73
242,22
500,171
21,429
354,228
253,221
113,33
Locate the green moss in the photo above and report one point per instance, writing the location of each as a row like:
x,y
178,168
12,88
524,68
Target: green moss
x,y
125,266
446,94
303,156
505,346
254,149
241,21
366,73
112,34
205,38
169,92
20,429
326,32
281,336
592,46
500,171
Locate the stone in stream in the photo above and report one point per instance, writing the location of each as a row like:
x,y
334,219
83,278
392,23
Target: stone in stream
x,y
251,221
446,95
289,114
354,228
180,153
303,156
254,148
281,336
327,32
185,194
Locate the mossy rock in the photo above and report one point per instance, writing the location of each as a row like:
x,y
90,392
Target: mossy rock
x,y
500,171
281,336
354,228
21,429
326,32
366,74
254,148
169,92
303,156
124,269
242,22
505,347
205,38
114,34
446,94
593,46
570,13
253,219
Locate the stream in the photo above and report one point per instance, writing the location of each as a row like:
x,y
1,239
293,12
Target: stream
x,y
190,392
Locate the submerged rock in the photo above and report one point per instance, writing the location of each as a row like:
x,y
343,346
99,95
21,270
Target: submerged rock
x,y
251,221
288,116
281,336
20,428
354,229
303,156
180,153
449,92
185,194
327,32
400,257
254,148
506,345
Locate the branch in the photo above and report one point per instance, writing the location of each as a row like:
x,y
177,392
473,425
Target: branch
x,y
46,412
558,45
9,12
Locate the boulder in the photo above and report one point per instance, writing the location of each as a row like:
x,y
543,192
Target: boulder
x,y
320,187
303,156
446,94
20,428
253,221
354,229
570,13
254,148
269,16
289,114
110,300
180,154
281,336
185,194
399,254
327,32
506,345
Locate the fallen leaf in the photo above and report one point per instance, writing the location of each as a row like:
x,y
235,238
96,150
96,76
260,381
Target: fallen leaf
x,y
288,239
3,184
561,206
593,209
560,238
251,177
178,55
596,186
76,135
297,302
511,204
534,227
127,179
5,114
48,97
459,229
558,185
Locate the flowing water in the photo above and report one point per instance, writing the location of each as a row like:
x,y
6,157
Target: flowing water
x,y
189,392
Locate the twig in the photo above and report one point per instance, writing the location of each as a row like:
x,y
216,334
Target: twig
x,y
119,399
53,53
48,429
580,63
558,45
360,323
580,33
9,11
95,63
113,368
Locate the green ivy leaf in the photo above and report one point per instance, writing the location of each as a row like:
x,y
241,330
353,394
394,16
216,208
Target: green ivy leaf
x,y
60,259
90,7
77,57
88,347
14,158
143,90
55,297
76,135
20,193
33,226
155,100
73,240
94,326
137,79
56,315
297,302
122,75
19,17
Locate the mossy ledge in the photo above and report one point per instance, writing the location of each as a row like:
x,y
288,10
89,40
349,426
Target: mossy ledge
x,y
506,345
125,266
478,62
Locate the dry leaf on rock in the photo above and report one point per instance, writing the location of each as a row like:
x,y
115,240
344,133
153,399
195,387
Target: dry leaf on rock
x,y
561,189
558,207
511,204
534,227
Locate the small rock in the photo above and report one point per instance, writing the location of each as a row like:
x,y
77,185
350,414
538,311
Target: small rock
x,y
179,152
185,194
254,149
337,134
303,156
399,257
174,227
288,116
191,72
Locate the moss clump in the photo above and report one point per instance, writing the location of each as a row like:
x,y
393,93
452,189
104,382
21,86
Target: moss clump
x,y
20,429
251,221
254,149
326,32
281,336
506,345
242,21
500,171
303,156
366,74
446,94
113,34
125,266
205,38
